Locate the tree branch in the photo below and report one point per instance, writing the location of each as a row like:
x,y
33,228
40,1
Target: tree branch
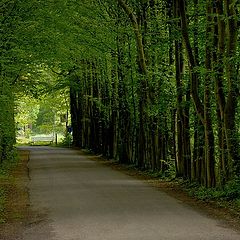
x,y
138,35
192,61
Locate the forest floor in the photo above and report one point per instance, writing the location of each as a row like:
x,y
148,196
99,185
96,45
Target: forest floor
x,y
18,215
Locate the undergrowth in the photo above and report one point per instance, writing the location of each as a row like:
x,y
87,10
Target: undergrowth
x,y
5,177
2,203
67,141
228,194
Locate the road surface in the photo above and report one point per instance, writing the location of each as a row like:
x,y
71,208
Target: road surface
x,y
76,198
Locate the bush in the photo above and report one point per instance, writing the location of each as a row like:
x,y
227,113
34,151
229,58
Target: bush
x,y
230,192
232,189
7,125
67,141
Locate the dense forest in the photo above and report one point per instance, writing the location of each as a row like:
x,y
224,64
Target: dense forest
x,y
151,83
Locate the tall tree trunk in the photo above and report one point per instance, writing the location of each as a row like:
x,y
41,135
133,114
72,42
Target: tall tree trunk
x,y
192,61
143,88
232,100
183,128
209,136
218,67
203,111
76,113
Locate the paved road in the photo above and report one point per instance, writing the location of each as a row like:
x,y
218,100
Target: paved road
x,y
80,199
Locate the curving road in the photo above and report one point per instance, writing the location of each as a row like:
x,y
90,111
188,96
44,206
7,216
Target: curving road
x,y
76,198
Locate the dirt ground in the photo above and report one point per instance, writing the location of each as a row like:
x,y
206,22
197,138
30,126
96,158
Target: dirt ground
x,y
19,215
17,211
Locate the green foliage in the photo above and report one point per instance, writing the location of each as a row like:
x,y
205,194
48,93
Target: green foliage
x,y
42,115
48,47
26,112
6,166
230,192
51,108
7,126
67,141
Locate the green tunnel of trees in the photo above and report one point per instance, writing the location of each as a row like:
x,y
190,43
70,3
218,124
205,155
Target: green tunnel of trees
x,y
154,83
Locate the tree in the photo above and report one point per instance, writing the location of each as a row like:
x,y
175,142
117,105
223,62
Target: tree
x,y
139,75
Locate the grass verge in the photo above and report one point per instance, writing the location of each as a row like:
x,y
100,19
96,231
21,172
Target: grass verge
x,y
14,199
6,179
